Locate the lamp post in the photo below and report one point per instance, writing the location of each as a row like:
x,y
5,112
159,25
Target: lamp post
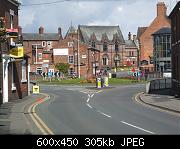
x,y
116,59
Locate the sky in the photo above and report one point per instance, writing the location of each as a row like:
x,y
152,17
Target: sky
x,y
128,14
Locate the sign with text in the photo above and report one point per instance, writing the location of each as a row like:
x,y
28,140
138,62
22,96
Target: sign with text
x,y
63,51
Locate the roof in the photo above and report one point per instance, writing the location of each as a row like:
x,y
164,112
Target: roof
x,y
100,31
175,10
140,31
71,30
129,43
164,30
37,36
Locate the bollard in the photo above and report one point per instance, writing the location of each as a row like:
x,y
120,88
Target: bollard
x,y
106,82
98,82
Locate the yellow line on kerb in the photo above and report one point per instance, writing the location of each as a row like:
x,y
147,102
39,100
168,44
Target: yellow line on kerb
x,y
37,120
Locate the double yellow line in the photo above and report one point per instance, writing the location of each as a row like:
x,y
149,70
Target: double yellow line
x,y
36,119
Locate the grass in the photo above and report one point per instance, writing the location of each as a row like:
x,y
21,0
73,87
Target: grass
x,y
84,82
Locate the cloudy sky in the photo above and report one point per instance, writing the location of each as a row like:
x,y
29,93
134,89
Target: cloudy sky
x,y
128,14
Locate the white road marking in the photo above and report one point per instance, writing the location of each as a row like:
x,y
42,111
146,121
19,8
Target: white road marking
x,y
92,95
83,92
137,127
104,114
89,105
88,100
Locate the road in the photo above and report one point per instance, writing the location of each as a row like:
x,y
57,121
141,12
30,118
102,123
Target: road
x,y
79,110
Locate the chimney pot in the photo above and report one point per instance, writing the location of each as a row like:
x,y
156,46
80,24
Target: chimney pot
x,y
41,30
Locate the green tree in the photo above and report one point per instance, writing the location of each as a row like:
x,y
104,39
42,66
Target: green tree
x,y
62,67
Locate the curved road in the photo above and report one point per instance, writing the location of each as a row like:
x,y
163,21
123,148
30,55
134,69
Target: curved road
x,y
79,110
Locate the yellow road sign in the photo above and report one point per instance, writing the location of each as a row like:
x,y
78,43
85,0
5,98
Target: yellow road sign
x,y
36,89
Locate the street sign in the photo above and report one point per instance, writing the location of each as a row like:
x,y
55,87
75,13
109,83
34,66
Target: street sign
x,y
12,33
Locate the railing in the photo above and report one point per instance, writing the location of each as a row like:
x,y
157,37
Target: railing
x,y
159,84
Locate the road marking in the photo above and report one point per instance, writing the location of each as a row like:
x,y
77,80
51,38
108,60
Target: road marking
x,y
92,95
137,127
83,92
99,91
89,105
104,114
37,120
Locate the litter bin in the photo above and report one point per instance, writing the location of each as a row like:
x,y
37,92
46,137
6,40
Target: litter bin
x,y
106,82
98,82
113,75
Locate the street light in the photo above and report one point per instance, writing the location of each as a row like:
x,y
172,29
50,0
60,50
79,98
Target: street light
x,y
116,59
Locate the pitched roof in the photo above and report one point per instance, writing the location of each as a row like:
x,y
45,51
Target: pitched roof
x,y
71,30
129,43
164,30
37,36
99,31
140,31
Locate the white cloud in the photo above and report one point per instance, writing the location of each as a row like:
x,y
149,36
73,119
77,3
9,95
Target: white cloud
x,y
128,14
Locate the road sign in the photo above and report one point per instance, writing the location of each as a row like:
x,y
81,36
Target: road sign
x,y
35,89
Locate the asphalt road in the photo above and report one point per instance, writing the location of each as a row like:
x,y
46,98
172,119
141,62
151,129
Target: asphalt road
x,y
79,110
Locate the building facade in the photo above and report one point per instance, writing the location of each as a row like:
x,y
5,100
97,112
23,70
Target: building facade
x,y
144,35
108,40
39,47
162,50
175,27
13,64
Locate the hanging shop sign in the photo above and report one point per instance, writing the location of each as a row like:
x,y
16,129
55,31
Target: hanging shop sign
x,y
16,52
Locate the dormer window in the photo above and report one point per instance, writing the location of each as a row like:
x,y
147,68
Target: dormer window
x,y
105,47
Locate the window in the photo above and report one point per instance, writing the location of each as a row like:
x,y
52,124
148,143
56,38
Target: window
x,y
105,47
105,61
38,70
93,44
116,47
43,43
71,71
70,44
24,79
49,44
71,59
40,55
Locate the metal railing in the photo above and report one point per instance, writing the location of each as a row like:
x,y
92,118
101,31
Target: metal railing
x,y
158,84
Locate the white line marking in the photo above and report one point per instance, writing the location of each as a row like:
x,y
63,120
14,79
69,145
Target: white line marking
x,y
88,95
88,100
83,92
89,105
137,127
92,95
104,114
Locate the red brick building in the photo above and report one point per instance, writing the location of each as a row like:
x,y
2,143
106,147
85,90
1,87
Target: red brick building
x,y
145,37
175,58
13,70
39,47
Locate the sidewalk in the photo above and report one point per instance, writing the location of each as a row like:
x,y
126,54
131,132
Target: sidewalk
x,y
163,101
12,116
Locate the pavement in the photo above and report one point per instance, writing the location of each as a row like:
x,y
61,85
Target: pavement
x,y
163,99
13,115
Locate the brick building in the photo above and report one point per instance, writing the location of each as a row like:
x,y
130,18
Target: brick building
x,y
144,35
108,40
175,28
13,65
39,47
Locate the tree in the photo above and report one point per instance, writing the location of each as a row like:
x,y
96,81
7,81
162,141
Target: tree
x,y
62,67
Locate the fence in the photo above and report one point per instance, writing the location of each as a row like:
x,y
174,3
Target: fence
x,y
158,84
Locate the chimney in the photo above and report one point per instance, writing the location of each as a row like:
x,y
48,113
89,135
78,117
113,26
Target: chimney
x,y
161,9
41,30
59,31
129,36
